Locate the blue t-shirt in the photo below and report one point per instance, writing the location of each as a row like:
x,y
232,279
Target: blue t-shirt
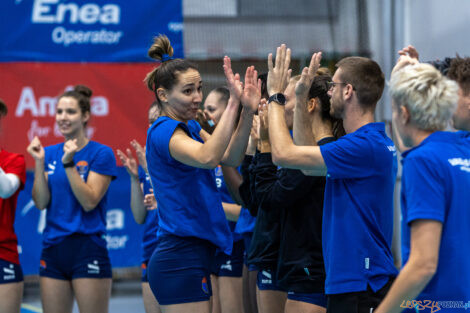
x,y
245,223
226,197
436,186
189,204
149,238
65,215
358,210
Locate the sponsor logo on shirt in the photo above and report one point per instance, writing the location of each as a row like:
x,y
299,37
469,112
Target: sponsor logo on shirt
x,y
93,268
9,273
392,149
463,163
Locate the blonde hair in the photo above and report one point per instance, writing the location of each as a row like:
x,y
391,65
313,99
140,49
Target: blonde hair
x,y
430,97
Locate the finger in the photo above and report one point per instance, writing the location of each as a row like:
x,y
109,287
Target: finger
x,y
278,58
270,62
287,59
289,74
259,83
248,75
311,66
129,153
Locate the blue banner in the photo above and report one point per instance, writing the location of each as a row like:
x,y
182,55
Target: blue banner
x,y
87,31
124,235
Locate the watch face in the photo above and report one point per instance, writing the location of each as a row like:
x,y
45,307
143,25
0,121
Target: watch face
x,y
279,98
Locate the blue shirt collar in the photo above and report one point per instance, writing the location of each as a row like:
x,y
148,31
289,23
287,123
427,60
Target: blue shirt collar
x,y
440,136
378,126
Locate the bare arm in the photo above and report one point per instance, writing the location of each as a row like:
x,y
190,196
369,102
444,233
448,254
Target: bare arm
x,y
420,268
232,211
41,194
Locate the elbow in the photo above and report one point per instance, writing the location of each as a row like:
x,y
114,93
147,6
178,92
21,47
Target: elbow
x,y
425,268
89,206
279,158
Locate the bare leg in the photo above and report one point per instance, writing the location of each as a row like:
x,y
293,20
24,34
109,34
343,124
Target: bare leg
x,y
230,294
92,294
215,299
252,278
11,295
192,307
270,301
293,306
56,295
150,303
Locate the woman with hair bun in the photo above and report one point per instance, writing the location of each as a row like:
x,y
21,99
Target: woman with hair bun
x,y
71,181
181,157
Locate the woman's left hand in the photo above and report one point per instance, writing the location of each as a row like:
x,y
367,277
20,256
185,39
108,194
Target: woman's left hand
x,y
70,148
251,95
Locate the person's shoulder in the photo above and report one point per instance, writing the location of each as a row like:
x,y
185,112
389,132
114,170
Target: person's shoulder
x,y
98,147
57,147
9,157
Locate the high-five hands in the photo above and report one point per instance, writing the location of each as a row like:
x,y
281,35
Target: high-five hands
x,y
279,74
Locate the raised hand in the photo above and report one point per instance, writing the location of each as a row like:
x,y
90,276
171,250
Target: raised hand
x,y
403,61
129,162
35,149
263,121
149,201
278,75
233,80
254,136
140,152
70,148
410,51
308,73
252,92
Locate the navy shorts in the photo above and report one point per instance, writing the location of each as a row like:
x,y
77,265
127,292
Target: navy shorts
x,y
11,272
266,280
179,270
77,256
230,265
145,276
319,299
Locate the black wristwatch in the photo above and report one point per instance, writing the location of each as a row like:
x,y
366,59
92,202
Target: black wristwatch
x,y
69,164
277,97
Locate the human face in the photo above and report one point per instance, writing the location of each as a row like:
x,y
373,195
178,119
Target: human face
x,y
183,100
213,107
336,97
461,116
69,117
289,93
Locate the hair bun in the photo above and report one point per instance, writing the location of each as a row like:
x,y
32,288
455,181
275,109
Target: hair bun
x,y
83,90
161,45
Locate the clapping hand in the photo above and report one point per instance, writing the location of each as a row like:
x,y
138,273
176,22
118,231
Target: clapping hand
x,y
279,74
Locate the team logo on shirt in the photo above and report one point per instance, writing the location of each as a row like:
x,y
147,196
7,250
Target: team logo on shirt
x,y
218,171
9,273
204,285
82,168
42,264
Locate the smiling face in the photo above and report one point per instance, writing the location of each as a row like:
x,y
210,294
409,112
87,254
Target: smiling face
x,y
214,107
184,99
69,117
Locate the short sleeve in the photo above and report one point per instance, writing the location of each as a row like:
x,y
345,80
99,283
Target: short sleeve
x,y
348,157
104,162
141,174
424,190
16,165
194,126
160,136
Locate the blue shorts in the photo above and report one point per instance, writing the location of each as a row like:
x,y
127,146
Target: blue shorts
x,y
266,280
77,256
179,269
230,265
11,272
319,299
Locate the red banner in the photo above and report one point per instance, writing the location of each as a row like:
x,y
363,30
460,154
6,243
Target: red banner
x,y
118,106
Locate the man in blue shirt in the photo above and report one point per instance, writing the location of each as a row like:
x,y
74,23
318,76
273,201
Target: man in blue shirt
x,y
435,198
360,168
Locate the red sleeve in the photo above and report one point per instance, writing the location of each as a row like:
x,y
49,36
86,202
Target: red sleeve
x,y
15,164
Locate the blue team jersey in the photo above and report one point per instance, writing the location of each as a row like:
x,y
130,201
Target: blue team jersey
x,y
189,204
149,238
358,210
436,186
225,196
65,215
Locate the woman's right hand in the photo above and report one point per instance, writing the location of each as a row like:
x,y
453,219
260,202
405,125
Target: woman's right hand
x,y
129,162
36,150
308,73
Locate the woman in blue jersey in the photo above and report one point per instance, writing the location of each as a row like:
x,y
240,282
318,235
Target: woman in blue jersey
x,y
71,181
180,158
143,208
435,197
226,278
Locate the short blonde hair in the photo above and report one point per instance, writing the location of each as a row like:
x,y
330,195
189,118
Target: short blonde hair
x,y
430,97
